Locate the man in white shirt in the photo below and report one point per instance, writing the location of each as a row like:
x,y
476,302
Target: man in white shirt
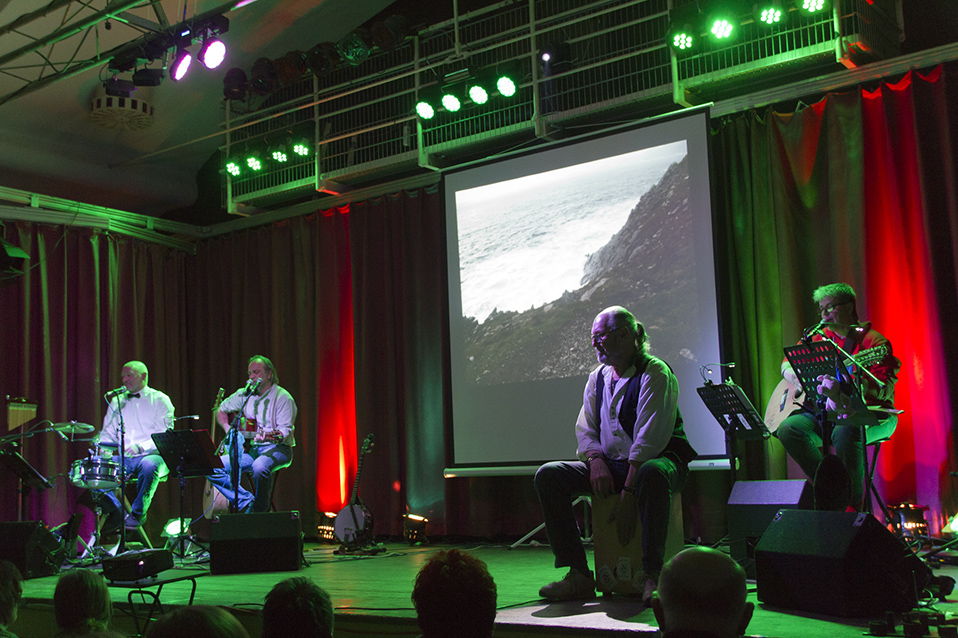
x,y
267,434
143,412
630,442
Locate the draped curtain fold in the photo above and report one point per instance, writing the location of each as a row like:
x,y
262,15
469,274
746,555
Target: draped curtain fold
x,y
859,187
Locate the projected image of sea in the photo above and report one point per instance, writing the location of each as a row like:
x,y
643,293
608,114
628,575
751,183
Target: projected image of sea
x,y
524,242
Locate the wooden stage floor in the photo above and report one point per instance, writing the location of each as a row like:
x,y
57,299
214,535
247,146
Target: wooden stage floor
x,y
371,595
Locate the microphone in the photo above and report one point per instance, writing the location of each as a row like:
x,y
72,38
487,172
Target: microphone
x,y
115,392
251,387
62,435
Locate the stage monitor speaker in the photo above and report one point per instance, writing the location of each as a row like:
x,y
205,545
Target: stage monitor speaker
x,y
267,542
837,563
35,550
137,564
751,507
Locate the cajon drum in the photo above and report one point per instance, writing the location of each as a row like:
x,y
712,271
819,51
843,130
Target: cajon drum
x,y
618,568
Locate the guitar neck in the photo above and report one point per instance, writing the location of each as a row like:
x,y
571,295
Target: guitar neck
x,y
359,470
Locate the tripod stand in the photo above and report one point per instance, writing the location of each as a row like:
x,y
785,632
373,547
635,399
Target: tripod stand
x,y
191,454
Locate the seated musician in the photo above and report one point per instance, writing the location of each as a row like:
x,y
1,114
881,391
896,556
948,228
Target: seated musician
x,y
144,412
800,433
267,437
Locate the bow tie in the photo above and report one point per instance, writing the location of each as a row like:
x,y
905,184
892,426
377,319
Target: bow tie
x,y
132,395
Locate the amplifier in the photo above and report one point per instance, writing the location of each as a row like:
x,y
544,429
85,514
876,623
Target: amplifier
x,y
265,542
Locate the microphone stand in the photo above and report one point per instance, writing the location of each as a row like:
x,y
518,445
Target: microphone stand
x,y
235,445
119,410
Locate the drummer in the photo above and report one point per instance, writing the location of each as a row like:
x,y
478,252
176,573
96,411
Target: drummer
x,y
144,412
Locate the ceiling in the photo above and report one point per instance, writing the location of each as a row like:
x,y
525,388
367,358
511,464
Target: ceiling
x,y
50,146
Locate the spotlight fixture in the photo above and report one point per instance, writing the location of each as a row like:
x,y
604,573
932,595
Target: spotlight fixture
x,y
119,88
301,146
414,529
213,53
12,259
429,102
450,99
507,77
770,13
263,80
235,84
722,25
555,58
813,6
355,47
477,91
390,33
278,153
148,77
254,161
291,67
234,166
181,63
322,59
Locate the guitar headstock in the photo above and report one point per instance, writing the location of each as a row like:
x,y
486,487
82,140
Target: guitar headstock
x,y
218,400
367,444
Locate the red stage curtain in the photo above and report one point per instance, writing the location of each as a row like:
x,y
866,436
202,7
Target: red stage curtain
x,y
860,187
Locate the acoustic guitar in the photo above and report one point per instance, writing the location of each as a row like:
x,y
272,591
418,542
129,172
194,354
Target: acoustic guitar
x,y
354,523
214,502
788,397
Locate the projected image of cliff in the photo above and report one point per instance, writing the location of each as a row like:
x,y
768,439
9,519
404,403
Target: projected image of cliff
x,y
540,255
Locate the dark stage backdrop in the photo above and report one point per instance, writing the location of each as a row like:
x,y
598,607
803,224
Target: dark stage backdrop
x,y
860,187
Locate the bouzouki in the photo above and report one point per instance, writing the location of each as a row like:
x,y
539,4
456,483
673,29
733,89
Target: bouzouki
x,y
214,503
788,397
354,523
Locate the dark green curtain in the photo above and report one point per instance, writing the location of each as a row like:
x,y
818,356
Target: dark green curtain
x,y
859,187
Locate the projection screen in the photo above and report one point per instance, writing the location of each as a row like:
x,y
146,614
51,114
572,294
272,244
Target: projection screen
x,y
538,244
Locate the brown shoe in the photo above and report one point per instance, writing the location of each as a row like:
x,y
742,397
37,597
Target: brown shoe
x,y
575,585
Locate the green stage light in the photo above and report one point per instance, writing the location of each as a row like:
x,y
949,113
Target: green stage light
x,y
425,110
812,6
278,153
234,167
770,15
254,161
506,86
429,102
478,93
450,101
682,41
722,28
301,146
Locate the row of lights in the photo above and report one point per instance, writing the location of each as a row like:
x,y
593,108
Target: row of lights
x,y
267,75
722,24
253,160
211,54
461,88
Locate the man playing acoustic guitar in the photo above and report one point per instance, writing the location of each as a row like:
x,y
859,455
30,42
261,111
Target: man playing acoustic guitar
x,y
800,433
268,416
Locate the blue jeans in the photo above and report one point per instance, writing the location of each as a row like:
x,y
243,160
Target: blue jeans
x,y
559,482
149,470
261,461
801,436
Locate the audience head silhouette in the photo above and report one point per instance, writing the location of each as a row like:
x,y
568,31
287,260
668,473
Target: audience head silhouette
x,y
197,620
11,589
81,603
702,592
297,608
455,595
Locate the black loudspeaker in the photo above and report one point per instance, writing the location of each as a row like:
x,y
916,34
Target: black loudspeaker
x,y
268,542
136,565
752,506
34,549
837,563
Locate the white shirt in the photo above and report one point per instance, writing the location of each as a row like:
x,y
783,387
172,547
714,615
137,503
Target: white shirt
x,y
273,410
143,416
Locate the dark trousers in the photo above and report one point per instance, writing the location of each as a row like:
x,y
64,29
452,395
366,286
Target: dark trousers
x,y
559,482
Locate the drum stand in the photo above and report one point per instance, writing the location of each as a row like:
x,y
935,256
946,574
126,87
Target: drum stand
x,y
93,552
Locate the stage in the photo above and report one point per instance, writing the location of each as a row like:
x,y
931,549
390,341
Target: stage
x,y
371,596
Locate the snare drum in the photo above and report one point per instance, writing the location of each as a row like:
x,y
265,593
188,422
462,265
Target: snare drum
x,y
95,474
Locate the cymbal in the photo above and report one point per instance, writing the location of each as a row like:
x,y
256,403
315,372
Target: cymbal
x,y
72,427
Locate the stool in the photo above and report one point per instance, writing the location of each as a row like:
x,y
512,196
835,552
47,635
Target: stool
x,y
872,437
274,475
618,568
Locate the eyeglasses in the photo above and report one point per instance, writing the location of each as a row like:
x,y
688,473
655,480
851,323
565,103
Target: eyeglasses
x,y
602,336
827,309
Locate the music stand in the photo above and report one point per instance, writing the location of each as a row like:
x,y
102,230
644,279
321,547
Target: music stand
x,y
27,474
734,412
188,454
